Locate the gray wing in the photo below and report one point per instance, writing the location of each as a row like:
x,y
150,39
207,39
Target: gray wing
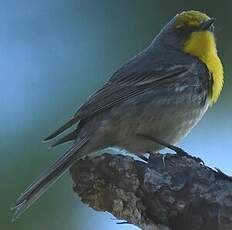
x,y
129,81
119,90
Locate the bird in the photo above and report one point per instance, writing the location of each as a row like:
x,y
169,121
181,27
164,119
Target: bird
x,y
161,92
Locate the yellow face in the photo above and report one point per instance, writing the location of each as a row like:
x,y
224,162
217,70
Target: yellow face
x,y
201,43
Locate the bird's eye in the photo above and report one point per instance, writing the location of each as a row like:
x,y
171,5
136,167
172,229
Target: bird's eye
x,y
184,29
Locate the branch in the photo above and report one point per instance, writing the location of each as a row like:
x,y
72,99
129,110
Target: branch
x,y
179,194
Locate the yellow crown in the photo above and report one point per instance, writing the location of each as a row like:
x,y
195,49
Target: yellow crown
x,y
190,18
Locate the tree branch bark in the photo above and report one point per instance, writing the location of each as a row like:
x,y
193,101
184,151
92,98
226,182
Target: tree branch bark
x,y
175,194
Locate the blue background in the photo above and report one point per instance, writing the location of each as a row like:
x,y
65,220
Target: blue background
x,y
53,54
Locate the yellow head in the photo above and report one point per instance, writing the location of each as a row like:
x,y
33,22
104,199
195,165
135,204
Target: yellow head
x,y
190,18
201,44
193,33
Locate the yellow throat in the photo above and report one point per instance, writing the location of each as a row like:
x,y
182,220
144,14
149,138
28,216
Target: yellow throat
x,y
202,45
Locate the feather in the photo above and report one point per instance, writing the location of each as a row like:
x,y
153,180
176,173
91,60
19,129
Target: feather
x,y
46,179
69,137
67,125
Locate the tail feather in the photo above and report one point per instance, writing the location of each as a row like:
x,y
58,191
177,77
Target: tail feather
x,y
46,179
67,125
69,137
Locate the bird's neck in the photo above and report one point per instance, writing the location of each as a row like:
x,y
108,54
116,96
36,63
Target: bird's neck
x,y
202,45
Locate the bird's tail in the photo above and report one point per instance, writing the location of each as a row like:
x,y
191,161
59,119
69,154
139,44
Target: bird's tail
x,y
46,179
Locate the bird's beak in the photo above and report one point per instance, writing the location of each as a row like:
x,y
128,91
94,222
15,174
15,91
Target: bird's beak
x,y
206,25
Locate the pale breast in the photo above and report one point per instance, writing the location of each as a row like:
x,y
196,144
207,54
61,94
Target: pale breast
x,y
168,112
167,121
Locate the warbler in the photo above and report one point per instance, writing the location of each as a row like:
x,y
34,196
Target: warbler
x,y
162,92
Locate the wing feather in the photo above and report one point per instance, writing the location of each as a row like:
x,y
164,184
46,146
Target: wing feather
x,y
129,81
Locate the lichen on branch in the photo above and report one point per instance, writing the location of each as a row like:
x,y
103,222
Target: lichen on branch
x,y
171,193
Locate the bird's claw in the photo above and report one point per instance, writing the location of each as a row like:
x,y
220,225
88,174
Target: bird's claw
x,y
143,158
182,153
179,151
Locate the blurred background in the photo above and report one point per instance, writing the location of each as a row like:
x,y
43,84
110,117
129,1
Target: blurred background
x,y
53,54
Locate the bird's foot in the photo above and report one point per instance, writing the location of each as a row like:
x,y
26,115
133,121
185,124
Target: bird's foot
x,y
143,158
179,151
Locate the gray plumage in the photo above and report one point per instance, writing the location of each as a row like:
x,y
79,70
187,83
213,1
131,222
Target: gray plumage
x,y
162,92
